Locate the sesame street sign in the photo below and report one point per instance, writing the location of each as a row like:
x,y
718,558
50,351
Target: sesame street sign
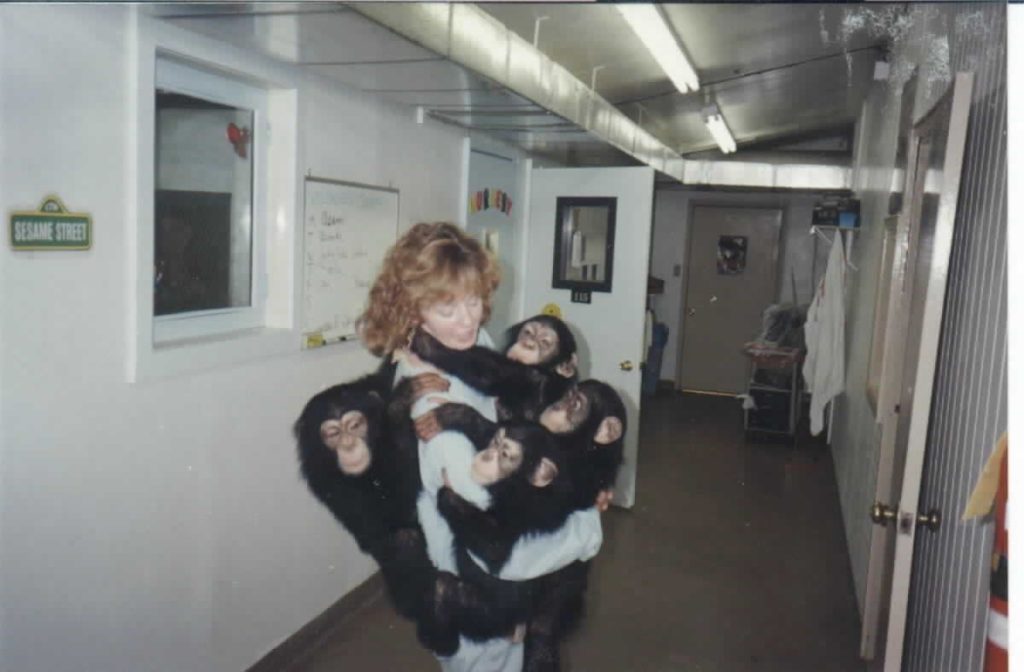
x,y
51,227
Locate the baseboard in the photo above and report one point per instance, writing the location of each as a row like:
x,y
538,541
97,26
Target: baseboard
x,y
295,647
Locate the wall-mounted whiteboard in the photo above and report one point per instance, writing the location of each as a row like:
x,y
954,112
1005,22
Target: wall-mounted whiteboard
x,y
348,228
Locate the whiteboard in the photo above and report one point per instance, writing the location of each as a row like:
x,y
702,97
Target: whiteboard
x,y
348,228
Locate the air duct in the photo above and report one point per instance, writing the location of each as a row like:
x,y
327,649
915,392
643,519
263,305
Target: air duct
x,y
470,37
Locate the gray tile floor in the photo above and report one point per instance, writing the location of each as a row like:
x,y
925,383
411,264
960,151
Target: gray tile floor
x,y
733,559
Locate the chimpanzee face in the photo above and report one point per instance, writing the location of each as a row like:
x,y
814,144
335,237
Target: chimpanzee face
x,y
499,459
568,413
346,436
537,343
592,405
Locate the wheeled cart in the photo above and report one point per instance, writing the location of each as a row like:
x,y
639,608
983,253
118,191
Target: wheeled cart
x,y
774,390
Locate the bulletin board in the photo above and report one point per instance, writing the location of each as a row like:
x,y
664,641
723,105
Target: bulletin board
x,y
348,228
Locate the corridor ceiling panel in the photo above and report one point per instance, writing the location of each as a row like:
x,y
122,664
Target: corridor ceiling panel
x,y
776,72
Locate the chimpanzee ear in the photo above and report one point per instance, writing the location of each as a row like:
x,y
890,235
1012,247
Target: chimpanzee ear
x,y
568,368
609,430
544,474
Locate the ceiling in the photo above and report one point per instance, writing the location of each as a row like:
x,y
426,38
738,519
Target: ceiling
x,y
784,76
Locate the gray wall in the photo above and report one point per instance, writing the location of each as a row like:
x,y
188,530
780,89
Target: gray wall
x,y
948,608
945,624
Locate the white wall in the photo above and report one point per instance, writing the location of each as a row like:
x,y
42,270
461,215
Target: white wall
x,y
672,207
494,165
159,525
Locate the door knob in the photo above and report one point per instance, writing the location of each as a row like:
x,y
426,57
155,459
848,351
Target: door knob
x,y
691,312
626,365
882,514
932,520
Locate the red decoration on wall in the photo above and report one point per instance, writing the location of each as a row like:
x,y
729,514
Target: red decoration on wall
x,y
239,139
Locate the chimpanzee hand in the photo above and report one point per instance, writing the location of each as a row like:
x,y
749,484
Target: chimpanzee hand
x,y
604,500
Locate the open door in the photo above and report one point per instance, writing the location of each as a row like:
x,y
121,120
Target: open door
x,y
611,325
924,238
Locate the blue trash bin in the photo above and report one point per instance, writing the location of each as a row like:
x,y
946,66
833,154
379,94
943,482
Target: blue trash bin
x,y
652,366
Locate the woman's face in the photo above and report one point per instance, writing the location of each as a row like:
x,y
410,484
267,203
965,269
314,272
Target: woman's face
x,y
454,322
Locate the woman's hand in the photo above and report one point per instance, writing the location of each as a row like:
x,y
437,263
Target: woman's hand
x,y
427,426
406,355
427,383
604,500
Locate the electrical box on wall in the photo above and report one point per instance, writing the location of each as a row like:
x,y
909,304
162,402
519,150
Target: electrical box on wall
x,y
843,213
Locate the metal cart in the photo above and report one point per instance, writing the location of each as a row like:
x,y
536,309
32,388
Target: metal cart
x,y
774,388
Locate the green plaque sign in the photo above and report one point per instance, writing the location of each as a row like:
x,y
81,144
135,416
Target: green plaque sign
x,y
51,227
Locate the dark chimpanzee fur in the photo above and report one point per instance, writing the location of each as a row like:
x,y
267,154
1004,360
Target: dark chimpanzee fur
x,y
518,507
553,602
522,390
378,505
594,465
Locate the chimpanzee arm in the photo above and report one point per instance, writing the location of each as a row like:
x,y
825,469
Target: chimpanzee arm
x,y
557,608
479,531
466,420
483,369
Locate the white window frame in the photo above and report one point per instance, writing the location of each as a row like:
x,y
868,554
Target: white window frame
x,y
204,340
179,77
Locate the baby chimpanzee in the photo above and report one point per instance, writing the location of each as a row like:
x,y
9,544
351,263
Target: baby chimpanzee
x,y
587,424
534,485
351,464
358,454
537,367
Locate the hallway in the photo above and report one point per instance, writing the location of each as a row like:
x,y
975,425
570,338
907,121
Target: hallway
x,y
733,559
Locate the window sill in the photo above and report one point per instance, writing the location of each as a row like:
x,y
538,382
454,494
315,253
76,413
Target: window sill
x,y
205,353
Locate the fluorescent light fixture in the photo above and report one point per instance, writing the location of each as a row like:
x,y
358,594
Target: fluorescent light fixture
x,y
649,25
719,131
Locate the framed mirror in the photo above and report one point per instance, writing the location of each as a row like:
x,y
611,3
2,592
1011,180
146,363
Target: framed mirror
x,y
584,243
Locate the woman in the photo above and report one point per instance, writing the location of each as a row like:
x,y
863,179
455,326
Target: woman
x,y
441,280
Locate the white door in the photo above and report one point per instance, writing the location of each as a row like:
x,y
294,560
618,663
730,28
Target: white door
x,y
924,239
611,326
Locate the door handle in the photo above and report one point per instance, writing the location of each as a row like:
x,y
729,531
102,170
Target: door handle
x,y
882,514
932,520
691,312
626,365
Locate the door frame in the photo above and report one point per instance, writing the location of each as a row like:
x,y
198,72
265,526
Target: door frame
x,y
687,247
890,561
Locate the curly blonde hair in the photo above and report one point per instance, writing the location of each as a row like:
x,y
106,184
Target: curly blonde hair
x,y
431,262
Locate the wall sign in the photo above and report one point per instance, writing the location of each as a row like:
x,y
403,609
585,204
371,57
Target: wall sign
x,y
732,255
580,296
51,227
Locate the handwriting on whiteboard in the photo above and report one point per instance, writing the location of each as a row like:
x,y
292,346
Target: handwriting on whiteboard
x,y
348,229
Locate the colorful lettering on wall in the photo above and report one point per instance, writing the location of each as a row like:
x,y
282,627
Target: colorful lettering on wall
x,y
490,199
51,227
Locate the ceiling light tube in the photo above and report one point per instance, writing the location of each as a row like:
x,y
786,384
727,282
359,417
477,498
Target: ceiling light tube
x,y
719,131
655,34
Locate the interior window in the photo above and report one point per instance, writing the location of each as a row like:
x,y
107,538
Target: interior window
x,y
203,205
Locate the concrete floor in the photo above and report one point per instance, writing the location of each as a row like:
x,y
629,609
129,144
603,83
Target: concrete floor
x,y
733,559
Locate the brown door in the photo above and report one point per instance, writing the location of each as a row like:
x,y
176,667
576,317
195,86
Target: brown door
x,y
731,279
